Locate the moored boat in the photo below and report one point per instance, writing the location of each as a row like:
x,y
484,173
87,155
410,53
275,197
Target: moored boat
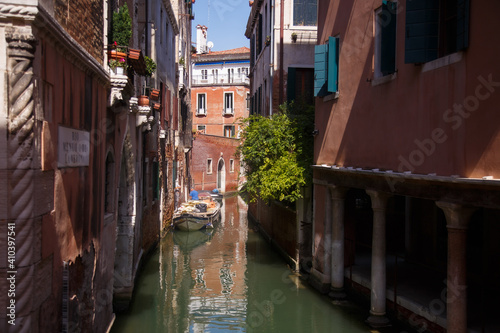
x,y
197,214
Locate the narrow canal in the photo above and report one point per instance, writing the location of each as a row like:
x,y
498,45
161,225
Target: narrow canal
x,y
229,280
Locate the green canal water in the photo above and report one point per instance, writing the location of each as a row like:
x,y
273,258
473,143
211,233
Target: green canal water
x,y
229,280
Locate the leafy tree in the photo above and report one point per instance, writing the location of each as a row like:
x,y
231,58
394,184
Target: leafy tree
x,y
277,153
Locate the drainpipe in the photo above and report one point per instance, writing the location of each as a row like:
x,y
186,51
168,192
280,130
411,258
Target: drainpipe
x,y
148,30
281,88
271,59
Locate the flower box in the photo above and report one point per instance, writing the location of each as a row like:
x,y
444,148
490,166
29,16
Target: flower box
x,y
155,94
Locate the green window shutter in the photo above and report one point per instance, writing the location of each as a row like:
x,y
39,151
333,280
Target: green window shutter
x,y
320,69
290,86
462,24
388,38
422,29
333,64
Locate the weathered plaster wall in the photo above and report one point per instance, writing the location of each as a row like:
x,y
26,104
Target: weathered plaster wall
x,y
393,125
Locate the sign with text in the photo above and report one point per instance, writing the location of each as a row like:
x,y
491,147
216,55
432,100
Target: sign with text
x,y
73,148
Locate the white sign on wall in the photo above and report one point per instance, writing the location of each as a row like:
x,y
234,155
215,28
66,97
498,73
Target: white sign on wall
x,y
73,147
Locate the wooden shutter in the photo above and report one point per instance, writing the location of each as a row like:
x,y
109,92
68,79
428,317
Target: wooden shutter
x,y
422,29
320,69
462,24
290,86
333,64
388,38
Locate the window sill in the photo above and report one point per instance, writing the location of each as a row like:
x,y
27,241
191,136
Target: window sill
x,y
442,62
201,114
384,79
330,97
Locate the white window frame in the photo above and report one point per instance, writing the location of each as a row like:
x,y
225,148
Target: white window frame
x,y
201,110
231,166
202,128
209,166
226,109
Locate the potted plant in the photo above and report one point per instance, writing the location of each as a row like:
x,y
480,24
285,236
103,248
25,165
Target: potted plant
x,y
117,65
143,100
294,37
150,66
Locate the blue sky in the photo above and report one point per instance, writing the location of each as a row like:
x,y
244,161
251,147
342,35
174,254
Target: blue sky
x,y
226,24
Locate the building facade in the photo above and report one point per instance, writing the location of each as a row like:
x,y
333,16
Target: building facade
x,y
406,165
282,36
80,161
220,99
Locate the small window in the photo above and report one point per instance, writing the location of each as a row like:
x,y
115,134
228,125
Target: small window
x,y
228,103
305,12
204,74
201,128
385,40
201,108
435,29
248,101
231,165
209,166
229,131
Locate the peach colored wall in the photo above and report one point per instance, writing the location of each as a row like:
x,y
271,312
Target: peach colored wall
x,y
410,118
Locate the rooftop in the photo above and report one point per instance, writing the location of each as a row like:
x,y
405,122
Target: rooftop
x,y
240,53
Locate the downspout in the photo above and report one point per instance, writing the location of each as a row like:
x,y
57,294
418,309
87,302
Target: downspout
x,y
271,60
148,30
281,87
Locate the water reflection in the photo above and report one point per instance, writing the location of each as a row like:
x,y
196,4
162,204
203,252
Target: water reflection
x,y
228,280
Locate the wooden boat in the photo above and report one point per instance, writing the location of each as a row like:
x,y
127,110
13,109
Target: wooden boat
x,y
197,214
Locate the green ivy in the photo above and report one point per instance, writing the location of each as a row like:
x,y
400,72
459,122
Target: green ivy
x,y
278,152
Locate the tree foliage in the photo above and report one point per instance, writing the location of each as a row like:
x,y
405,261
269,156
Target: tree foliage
x,y
277,153
121,27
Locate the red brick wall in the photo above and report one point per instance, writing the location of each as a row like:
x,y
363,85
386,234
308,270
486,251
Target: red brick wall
x,y
71,14
279,222
214,120
208,146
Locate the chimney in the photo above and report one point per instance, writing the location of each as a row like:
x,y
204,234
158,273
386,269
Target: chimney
x,y
201,39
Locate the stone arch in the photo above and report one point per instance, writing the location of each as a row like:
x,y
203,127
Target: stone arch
x,y
125,227
221,175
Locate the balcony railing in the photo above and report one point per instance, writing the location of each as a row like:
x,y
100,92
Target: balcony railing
x,y
220,79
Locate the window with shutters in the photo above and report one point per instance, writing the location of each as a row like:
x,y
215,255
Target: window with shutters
x,y
326,63
229,131
202,105
228,103
385,40
435,28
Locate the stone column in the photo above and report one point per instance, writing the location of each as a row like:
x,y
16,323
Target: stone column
x,y
378,278
457,219
337,196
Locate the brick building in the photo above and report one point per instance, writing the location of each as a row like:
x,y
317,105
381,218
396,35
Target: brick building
x,y
80,184
219,97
